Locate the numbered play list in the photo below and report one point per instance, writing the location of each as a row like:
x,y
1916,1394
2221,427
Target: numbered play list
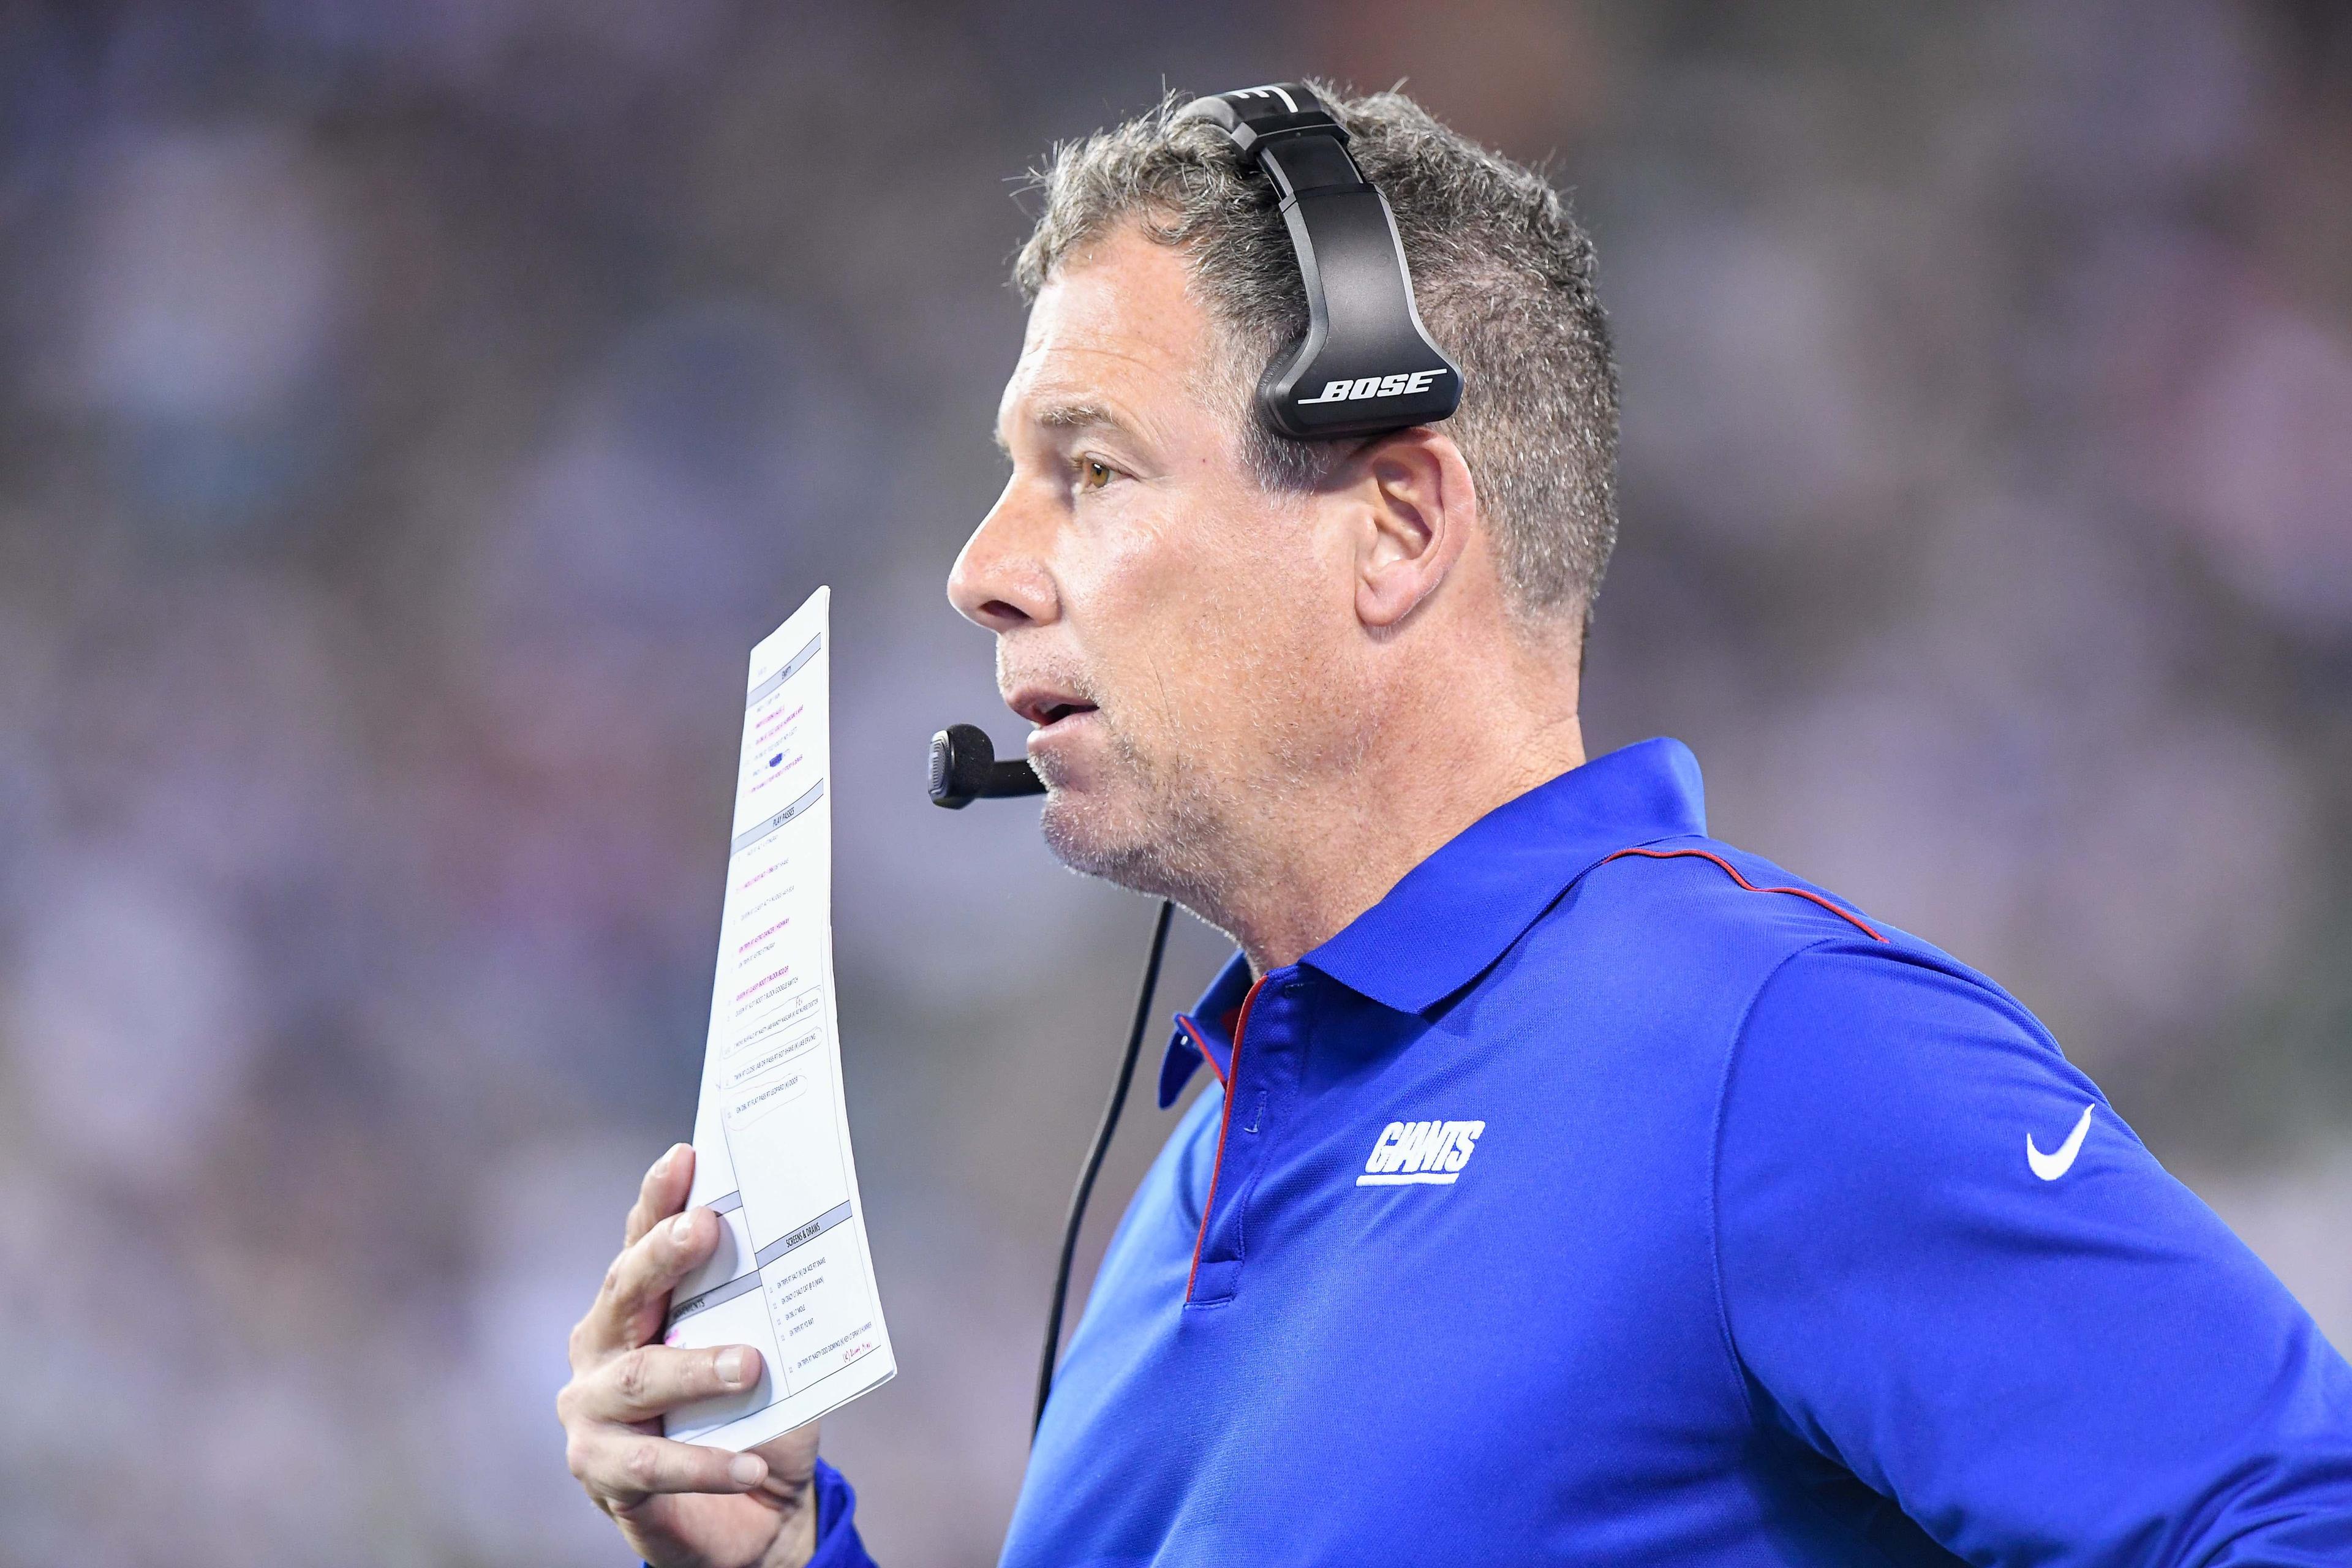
x,y
793,1276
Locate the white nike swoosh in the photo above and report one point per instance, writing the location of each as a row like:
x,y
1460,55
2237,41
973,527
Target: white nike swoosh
x,y
2050,1167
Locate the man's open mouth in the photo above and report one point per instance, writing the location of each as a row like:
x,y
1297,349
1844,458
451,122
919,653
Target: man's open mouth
x,y
1045,708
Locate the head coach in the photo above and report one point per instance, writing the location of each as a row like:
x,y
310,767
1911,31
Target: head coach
x,y
1573,1188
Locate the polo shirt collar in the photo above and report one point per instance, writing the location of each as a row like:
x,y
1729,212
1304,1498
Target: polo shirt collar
x,y
1206,1033
1455,913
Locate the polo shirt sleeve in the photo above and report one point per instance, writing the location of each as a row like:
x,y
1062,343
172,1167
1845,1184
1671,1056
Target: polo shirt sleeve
x,y
838,1545
837,1542
2036,1358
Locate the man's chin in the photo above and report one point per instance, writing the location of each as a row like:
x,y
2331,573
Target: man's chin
x,y
1113,815
1082,830
1095,837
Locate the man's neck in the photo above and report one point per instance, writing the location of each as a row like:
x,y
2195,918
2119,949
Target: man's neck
x,y
1342,854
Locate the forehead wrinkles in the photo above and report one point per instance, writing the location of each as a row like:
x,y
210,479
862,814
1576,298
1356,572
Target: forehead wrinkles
x,y
1061,396
1119,318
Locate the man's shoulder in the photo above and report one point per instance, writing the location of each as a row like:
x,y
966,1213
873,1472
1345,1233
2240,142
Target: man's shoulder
x,y
1698,913
1830,1018
1703,901
1821,990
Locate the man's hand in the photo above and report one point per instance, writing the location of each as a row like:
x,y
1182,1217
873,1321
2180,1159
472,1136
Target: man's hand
x,y
678,1506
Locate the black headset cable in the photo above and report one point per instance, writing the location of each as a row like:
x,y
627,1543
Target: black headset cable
x,y
1094,1161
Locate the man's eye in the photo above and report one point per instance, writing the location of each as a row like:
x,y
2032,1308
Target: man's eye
x,y
1094,473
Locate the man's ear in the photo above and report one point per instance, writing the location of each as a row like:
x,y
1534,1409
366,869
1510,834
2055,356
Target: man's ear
x,y
1419,511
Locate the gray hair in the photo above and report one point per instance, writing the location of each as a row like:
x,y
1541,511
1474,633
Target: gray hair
x,y
1502,274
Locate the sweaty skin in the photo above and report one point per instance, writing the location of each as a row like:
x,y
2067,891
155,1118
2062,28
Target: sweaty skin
x,y
1269,706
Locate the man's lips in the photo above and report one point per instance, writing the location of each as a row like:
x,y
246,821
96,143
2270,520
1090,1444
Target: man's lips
x,y
1045,708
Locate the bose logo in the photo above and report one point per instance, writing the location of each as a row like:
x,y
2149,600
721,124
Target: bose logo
x,y
1415,1152
1288,102
1372,387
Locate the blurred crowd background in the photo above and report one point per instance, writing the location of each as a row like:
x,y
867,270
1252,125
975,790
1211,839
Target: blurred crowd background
x,y
410,414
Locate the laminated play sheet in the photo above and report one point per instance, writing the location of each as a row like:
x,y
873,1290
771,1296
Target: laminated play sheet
x,y
793,1276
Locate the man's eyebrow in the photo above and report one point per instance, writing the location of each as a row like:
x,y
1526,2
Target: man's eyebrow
x,y
1080,416
1073,415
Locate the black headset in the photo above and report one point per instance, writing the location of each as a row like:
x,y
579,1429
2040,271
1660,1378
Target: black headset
x,y
1366,365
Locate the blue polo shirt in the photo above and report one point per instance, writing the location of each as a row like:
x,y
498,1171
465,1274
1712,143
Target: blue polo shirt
x,y
1607,1194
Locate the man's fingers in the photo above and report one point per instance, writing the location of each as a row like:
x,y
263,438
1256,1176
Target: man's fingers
x,y
653,1380
623,1468
639,1277
661,1194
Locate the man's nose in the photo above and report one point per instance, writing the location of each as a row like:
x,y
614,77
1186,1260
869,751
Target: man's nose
x,y
1001,579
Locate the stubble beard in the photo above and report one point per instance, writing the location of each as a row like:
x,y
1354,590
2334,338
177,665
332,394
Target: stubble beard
x,y
1149,825
1190,817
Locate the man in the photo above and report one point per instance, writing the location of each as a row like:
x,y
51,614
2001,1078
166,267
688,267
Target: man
x,y
1574,1188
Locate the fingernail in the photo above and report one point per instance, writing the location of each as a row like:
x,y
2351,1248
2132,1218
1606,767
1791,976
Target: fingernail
x,y
681,1230
747,1469
669,1157
734,1367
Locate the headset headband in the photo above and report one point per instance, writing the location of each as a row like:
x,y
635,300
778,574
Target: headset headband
x,y
1366,365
